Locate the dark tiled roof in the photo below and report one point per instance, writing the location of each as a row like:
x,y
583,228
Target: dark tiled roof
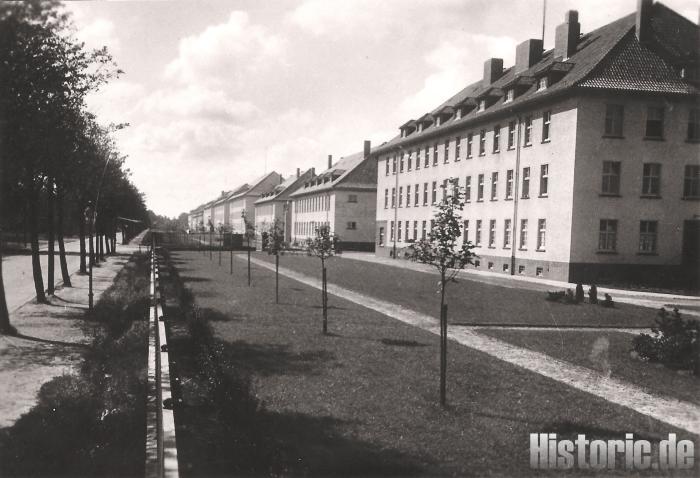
x,y
594,64
332,177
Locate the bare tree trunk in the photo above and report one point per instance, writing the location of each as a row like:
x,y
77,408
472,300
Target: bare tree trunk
x,y
83,252
36,260
61,245
443,343
5,326
102,247
51,277
324,297
277,279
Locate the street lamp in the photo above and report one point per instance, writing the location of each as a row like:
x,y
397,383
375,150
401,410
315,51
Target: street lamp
x,y
90,216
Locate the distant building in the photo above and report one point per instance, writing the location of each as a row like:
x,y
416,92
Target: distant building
x,y
242,201
342,197
579,163
276,204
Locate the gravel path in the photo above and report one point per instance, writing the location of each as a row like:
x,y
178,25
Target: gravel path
x,y
680,414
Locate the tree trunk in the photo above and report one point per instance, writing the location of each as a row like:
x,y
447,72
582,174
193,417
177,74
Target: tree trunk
x,y
324,298
5,327
83,252
443,343
51,279
36,260
107,247
277,279
248,263
102,248
65,275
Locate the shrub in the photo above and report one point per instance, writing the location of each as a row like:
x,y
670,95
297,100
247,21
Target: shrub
x,y
555,296
593,294
672,342
608,302
579,293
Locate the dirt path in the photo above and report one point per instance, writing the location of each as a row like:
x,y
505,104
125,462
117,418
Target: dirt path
x,y
51,341
680,414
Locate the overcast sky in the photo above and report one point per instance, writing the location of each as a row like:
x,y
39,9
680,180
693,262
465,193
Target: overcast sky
x,y
220,92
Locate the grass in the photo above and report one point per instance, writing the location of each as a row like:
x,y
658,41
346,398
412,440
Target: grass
x,y
608,353
280,398
92,423
470,302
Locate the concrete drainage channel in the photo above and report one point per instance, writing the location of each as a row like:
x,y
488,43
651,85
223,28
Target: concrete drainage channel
x,y
161,445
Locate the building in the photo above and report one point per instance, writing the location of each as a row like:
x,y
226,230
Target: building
x,y
578,163
342,197
241,202
195,218
275,204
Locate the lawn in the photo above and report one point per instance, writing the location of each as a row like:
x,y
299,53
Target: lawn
x,y
470,302
362,400
608,353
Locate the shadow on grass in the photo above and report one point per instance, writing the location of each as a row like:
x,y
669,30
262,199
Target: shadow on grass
x,y
214,315
274,359
402,343
53,342
194,279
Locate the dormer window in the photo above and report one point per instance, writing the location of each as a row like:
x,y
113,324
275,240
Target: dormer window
x,y
510,95
542,83
438,121
482,105
458,113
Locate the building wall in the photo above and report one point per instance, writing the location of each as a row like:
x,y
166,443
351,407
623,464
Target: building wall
x,y
632,150
310,211
236,208
360,214
555,207
218,217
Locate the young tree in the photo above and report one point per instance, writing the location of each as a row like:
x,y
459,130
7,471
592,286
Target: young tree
x,y
275,246
323,247
249,235
444,250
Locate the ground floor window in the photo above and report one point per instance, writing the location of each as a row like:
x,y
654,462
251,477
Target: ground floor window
x,y
647,236
607,235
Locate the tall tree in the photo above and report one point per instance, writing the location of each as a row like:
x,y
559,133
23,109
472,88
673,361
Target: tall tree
x,y
323,246
445,250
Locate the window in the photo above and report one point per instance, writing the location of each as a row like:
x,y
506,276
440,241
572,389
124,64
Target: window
x,y
434,196
541,234
510,95
507,234
352,197
694,124
544,180
539,272
425,194
386,198
470,138
691,181
521,270
408,196
490,266
492,233
401,164
482,142
611,178
511,135
352,225
393,165
480,188
647,236
422,230
426,154
381,236
398,231
392,230
607,237
497,138
546,123
415,230
477,238
526,183
655,123
435,155
408,227
468,189
542,83
458,147
614,116
447,151
418,158
444,190
410,160
523,234
387,165
494,186
465,231
651,179
482,105
393,197
400,196
506,267
416,195
509,184
527,140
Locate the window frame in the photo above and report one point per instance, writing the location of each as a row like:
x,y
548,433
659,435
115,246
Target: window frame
x,y
613,124
607,236
648,239
649,125
547,126
544,180
651,180
611,178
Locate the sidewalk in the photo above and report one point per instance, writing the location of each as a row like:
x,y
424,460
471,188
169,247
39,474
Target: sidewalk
x,y
688,305
51,338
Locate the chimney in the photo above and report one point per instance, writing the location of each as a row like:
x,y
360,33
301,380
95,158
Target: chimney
x,y
223,192
313,172
566,35
527,54
297,172
330,161
367,148
643,23
493,70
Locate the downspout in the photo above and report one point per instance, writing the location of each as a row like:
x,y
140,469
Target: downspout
x,y
516,197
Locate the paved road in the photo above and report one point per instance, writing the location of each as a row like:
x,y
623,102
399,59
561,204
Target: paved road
x,y
17,273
